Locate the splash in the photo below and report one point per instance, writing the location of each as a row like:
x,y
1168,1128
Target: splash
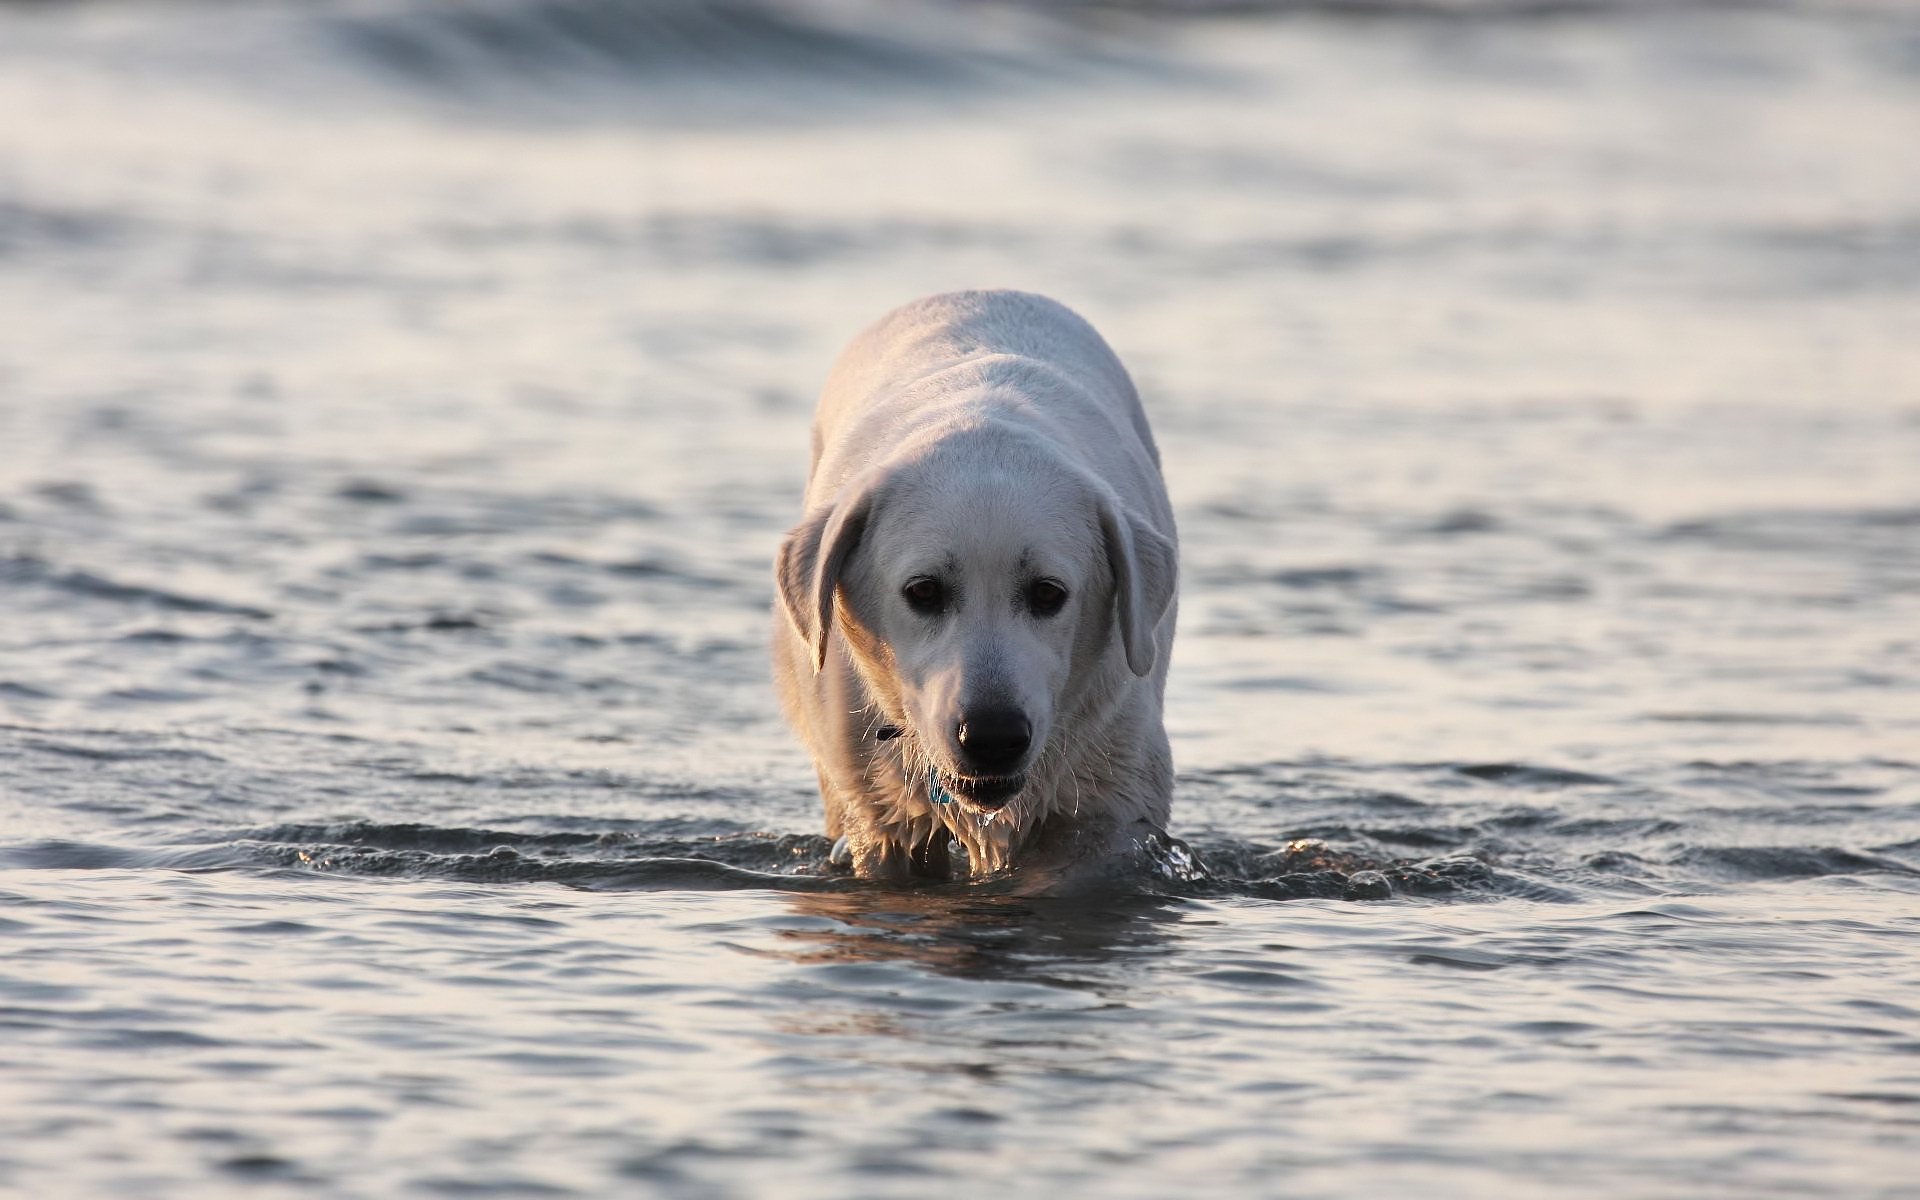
x,y
1172,859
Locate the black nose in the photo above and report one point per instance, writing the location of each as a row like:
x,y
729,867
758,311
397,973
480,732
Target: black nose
x,y
994,739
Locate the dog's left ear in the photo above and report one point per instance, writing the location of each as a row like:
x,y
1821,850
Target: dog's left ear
x,y
811,558
1144,565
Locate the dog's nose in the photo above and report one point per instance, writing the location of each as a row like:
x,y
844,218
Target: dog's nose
x,y
994,740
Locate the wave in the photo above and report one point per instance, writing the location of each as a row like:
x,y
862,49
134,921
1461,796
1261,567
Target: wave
x,y
1786,862
466,45
677,859
528,60
711,60
27,569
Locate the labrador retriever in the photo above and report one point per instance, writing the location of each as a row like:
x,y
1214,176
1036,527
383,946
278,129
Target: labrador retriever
x,y
977,610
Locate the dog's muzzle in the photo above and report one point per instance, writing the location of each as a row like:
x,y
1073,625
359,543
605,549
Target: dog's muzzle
x,y
986,792
983,791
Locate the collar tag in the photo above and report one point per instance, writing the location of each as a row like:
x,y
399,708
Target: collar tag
x,y
935,792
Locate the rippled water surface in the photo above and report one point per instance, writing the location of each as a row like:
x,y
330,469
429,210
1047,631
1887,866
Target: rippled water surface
x,y
400,404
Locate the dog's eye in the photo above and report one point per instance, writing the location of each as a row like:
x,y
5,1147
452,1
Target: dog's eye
x,y
1046,597
924,595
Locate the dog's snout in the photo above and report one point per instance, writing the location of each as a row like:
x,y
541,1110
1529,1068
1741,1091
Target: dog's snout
x,y
994,740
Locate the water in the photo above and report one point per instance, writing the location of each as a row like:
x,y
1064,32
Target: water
x,y
401,403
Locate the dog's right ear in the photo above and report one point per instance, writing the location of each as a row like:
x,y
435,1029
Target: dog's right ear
x,y
811,558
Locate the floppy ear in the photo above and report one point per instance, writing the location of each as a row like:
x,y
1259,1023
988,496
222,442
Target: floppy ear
x,y
1144,566
811,558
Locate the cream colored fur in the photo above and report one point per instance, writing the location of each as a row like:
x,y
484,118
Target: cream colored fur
x,y
986,438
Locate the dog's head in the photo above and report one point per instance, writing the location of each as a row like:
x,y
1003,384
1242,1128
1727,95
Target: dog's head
x,y
971,584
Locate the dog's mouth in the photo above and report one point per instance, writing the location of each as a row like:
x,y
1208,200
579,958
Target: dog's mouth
x,y
989,792
983,791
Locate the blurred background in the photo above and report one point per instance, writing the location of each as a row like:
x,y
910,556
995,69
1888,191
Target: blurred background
x,y
400,403
508,315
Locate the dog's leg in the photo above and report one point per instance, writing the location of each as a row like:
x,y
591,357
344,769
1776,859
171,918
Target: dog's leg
x,y
933,859
880,859
836,821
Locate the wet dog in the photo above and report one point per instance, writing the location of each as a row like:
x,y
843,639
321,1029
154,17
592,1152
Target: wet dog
x,y
977,609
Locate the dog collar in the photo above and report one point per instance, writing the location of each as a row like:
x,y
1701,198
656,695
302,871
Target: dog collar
x,y
935,792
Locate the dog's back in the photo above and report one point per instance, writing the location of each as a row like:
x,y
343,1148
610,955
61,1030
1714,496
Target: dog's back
x,y
952,327
899,371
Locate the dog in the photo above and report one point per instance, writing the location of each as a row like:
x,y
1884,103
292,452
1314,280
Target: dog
x,y
977,609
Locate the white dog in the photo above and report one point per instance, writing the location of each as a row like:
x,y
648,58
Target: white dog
x,y
979,605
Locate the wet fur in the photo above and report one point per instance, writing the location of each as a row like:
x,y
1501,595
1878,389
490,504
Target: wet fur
x,y
983,426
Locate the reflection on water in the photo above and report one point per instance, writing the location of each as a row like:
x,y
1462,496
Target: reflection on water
x,y
1064,943
399,406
